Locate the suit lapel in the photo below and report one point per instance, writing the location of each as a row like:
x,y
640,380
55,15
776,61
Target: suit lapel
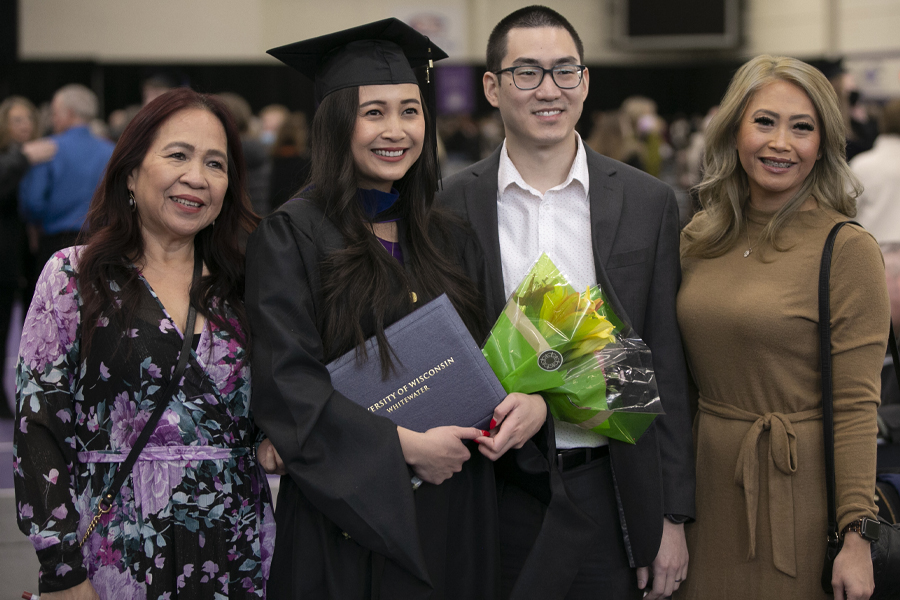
x,y
607,198
481,207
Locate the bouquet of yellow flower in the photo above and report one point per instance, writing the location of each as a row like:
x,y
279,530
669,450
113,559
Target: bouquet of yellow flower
x,y
569,346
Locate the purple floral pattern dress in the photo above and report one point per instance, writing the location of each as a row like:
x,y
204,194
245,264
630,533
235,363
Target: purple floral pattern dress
x,y
194,519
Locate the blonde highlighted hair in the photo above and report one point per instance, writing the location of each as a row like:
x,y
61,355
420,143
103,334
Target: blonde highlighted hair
x,y
5,107
725,191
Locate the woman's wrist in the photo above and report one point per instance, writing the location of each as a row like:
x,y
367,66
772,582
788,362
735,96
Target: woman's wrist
x,y
867,528
856,543
408,445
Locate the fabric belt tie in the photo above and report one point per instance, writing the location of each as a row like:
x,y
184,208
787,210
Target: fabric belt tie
x,y
783,455
162,453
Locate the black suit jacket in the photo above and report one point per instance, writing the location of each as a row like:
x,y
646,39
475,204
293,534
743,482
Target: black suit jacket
x,y
635,236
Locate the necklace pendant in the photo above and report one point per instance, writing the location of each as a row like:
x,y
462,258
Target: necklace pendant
x,y
747,252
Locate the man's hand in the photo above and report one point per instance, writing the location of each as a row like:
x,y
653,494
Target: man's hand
x,y
438,453
515,421
268,457
670,565
39,151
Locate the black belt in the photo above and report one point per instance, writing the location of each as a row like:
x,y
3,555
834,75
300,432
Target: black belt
x,y
575,457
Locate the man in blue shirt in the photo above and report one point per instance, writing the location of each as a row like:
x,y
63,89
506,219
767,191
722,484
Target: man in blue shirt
x,y
55,195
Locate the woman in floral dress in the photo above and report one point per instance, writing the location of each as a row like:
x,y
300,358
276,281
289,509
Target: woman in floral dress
x,y
100,343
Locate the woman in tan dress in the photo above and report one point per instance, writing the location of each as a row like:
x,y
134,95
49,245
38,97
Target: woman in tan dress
x,y
775,184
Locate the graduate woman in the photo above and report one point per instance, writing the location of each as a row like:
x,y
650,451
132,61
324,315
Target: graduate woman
x,y
358,250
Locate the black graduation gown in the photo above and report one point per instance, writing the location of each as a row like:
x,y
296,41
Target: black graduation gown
x,y
349,524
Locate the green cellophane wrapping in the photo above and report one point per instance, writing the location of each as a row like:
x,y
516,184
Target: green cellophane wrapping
x,y
546,320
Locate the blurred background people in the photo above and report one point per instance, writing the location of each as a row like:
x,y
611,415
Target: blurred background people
x,y
155,86
461,138
889,411
878,207
860,129
890,389
256,155
691,156
18,152
290,160
612,136
649,129
491,132
119,119
689,161
271,118
55,195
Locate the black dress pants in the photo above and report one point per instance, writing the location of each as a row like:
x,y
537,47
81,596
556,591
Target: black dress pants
x,y
604,573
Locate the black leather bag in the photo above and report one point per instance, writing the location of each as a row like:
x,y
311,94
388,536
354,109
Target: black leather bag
x,y
887,499
885,551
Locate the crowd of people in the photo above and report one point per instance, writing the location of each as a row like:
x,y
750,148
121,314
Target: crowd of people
x,y
193,278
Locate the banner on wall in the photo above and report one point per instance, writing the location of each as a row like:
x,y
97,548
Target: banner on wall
x,y
445,26
455,89
877,78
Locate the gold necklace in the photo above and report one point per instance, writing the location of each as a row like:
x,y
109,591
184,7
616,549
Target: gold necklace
x,y
749,249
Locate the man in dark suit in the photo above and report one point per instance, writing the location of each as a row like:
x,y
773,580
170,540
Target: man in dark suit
x,y
582,516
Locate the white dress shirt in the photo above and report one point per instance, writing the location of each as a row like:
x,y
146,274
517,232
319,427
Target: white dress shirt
x,y
557,223
879,205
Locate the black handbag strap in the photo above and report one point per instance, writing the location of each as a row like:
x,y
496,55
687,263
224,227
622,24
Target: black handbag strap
x,y
827,382
827,377
892,344
164,399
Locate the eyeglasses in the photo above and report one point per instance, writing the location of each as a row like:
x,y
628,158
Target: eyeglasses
x,y
529,77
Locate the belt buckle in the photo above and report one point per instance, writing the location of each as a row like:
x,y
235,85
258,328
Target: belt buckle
x,y
579,456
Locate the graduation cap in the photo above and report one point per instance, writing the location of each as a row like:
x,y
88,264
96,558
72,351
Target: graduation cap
x,y
381,53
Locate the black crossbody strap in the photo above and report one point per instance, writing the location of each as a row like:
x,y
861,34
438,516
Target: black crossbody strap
x,y
164,399
827,381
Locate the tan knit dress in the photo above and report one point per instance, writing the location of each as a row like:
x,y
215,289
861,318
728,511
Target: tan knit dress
x,y
750,331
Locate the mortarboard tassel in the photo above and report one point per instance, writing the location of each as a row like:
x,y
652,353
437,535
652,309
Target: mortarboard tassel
x,y
431,101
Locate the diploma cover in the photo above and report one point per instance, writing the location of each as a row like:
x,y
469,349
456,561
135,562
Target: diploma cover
x,y
441,377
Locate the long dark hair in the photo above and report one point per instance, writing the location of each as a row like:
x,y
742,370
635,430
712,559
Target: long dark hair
x,y
112,230
363,270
